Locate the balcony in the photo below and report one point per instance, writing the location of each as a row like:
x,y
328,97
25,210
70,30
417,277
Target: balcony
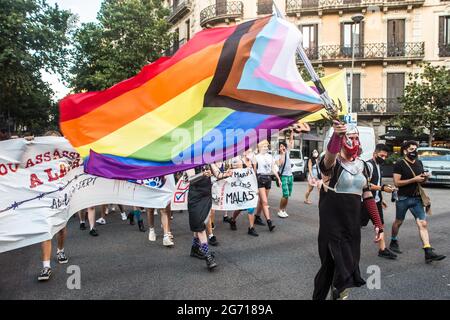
x,y
444,49
179,10
222,12
376,106
370,52
297,7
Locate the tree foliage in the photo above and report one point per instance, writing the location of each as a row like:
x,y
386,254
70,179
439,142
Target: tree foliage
x,y
129,34
33,37
426,102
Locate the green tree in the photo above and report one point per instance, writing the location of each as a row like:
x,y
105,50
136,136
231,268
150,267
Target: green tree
x,y
33,38
426,101
305,74
129,34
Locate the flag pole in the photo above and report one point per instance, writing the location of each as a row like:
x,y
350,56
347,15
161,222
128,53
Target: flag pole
x,y
330,106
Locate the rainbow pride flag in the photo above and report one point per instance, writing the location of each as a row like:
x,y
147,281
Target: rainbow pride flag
x,y
177,109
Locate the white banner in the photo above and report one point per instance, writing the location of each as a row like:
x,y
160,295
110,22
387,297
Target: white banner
x,y
180,196
238,192
42,184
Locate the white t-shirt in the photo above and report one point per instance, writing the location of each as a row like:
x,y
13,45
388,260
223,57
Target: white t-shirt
x,y
265,163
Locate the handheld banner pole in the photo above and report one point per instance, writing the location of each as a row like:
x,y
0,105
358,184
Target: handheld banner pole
x,y
330,106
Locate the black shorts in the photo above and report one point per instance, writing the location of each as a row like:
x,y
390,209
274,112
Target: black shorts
x,y
264,181
365,218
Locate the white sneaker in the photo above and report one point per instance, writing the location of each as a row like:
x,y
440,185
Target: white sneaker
x,y
281,214
170,235
151,235
124,216
285,214
101,221
167,242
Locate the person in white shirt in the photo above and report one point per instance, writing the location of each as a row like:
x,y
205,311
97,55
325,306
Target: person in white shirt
x,y
265,167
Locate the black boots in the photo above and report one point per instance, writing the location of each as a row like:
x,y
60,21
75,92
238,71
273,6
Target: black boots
x,y
210,261
130,216
270,225
252,232
431,256
141,225
259,221
393,246
387,254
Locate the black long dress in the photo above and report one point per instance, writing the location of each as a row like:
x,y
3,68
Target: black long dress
x,y
199,202
339,237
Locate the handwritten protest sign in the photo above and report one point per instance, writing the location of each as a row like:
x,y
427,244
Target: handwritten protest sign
x,y
238,192
43,184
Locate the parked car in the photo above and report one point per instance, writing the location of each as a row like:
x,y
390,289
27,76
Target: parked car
x,y
298,164
437,162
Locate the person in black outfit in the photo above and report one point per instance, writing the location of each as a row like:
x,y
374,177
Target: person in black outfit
x,y
408,175
345,183
377,187
199,207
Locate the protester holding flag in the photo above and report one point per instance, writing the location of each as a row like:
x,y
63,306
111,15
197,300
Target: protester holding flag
x,y
199,206
345,182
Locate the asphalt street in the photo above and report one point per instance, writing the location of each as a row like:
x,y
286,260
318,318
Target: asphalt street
x,y
122,264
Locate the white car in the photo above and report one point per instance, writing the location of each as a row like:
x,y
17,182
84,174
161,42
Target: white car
x,y
297,164
437,162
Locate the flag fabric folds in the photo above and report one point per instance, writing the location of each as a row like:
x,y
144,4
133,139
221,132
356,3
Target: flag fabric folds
x,y
176,109
336,86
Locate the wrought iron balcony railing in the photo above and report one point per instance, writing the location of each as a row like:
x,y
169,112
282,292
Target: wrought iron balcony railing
x,y
179,10
264,7
373,51
299,6
444,49
221,12
376,106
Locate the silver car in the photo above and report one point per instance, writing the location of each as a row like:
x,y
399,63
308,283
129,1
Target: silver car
x,y
437,162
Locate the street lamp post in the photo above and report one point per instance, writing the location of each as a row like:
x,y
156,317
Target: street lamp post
x,y
357,18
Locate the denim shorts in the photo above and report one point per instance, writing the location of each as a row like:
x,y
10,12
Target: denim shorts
x,y
414,204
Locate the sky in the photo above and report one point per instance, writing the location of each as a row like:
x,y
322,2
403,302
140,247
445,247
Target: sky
x,y
87,12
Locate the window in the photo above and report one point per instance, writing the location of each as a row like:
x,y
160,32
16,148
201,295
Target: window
x,y
176,40
444,36
395,89
265,6
356,92
396,38
347,41
188,30
310,41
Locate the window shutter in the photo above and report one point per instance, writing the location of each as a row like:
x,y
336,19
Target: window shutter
x,y
441,30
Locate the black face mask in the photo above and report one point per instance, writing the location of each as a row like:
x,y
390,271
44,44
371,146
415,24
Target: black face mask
x,y
412,155
379,160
